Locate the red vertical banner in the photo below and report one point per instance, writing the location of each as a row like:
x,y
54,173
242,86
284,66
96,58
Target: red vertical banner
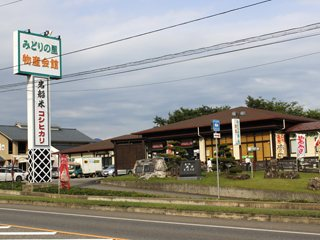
x,y
301,145
64,172
281,147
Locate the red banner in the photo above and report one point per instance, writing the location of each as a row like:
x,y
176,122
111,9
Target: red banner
x,y
64,172
281,147
301,145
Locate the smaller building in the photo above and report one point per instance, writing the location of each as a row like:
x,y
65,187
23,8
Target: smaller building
x,y
14,142
312,131
122,151
103,149
128,149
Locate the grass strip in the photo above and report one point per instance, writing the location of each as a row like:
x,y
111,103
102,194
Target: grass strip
x,y
176,207
17,186
257,183
93,192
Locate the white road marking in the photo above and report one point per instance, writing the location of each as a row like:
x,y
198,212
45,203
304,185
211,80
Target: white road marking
x,y
5,227
26,233
162,222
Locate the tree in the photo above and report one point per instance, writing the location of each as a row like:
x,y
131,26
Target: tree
x,y
273,105
283,107
187,113
175,155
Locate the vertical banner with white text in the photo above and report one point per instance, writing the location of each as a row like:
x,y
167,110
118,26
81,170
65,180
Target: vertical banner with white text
x,y
41,112
236,136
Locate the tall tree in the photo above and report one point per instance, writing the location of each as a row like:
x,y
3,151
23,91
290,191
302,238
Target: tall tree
x,y
280,106
187,113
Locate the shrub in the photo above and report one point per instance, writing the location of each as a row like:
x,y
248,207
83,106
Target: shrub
x,y
235,169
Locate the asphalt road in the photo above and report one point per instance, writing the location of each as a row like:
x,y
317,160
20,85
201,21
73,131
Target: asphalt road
x,y
88,224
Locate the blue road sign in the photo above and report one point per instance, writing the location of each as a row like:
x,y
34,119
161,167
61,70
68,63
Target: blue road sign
x,y
215,125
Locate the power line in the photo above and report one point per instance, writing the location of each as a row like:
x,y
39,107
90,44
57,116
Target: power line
x,y
154,31
168,63
10,3
183,79
194,77
165,28
240,42
184,60
263,37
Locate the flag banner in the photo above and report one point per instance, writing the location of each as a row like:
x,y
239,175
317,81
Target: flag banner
x,y
301,145
64,172
281,146
236,136
317,140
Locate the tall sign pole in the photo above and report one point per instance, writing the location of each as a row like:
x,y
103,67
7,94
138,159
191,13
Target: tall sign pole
x,y
215,124
38,56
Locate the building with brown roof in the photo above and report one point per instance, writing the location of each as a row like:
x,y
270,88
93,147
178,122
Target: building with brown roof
x,y
103,149
312,130
258,133
122,151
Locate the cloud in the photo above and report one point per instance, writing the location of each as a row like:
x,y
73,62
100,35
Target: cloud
x,y
106,113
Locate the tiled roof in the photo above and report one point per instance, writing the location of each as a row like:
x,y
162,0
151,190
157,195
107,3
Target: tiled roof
x,y
225,117
127,137
92,147
305,127
69,135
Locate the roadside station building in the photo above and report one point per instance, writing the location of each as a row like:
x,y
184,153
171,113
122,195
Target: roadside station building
x,y
103,149
259,129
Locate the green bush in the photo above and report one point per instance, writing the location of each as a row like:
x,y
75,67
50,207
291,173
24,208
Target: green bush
x,y
235,170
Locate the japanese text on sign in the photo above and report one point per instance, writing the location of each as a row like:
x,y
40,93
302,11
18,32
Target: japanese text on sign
x,y
280,146
36,54
301,145
41,105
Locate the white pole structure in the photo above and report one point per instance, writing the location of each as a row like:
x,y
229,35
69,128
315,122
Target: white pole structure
x,y
217,164
39,130
38,56
215,125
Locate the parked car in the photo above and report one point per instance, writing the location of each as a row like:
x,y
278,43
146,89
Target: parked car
x,y
55,172
109,171
6,174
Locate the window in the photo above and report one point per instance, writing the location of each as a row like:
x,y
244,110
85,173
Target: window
x,y
22,147
10,147
293,146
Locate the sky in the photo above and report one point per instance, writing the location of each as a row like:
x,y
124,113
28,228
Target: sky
x,y
110,106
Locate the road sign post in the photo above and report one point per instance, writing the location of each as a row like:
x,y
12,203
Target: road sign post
x,y
215,124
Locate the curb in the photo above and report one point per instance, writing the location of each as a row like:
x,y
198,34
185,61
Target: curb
x,y
197,202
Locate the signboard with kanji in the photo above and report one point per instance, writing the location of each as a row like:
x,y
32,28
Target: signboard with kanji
x,y
41,112
190,168
236,136
301,145
36,54
280,145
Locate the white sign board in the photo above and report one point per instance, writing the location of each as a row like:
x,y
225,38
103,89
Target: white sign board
x,y
35,54
236,136
216,135
41,112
